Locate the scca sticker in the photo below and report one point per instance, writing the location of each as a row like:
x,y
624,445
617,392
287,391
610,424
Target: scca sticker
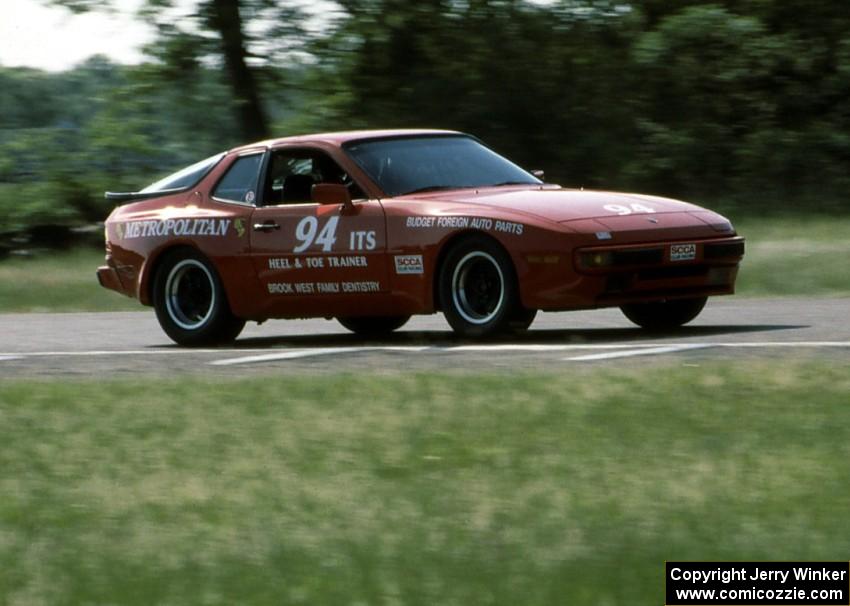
x,y
683,252
409,264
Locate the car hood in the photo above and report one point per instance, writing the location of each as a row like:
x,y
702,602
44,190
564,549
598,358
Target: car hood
x,y
561,205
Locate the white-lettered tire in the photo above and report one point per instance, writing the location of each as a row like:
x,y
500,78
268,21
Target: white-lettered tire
x,y
190,302
478,288
373,326
664,315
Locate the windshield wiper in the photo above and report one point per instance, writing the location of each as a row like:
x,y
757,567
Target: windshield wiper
x,y
429,188
512,183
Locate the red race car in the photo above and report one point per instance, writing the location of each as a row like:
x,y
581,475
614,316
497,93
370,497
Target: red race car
x,y
371,227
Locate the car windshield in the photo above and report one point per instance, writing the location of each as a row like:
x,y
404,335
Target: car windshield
x,y
186,177
408,165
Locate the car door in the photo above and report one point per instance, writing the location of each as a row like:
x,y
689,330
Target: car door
x,y
313,259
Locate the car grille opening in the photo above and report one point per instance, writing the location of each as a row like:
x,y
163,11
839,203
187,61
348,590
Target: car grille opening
x,y
666,273
723,250
646,256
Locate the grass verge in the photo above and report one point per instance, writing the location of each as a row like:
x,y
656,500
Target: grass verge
x,y
536,489
58,281
795,256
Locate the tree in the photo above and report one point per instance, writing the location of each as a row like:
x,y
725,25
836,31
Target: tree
x,y
722,99
227,21
745,100
217,34
539,83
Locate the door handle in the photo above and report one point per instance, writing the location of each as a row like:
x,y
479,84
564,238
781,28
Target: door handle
x,y
267,226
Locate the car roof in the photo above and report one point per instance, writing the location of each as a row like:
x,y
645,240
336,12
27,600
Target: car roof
x,y
342,137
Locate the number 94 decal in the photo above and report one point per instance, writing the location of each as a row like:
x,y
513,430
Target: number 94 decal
x,y
307,232
623,209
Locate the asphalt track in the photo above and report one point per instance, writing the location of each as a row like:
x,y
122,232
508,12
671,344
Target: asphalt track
x,y
96,345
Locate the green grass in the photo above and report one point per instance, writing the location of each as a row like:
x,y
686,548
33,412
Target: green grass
x,y
423,489
795,256
58,281
805,256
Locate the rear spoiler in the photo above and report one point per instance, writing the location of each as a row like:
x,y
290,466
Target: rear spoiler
x,y
131,196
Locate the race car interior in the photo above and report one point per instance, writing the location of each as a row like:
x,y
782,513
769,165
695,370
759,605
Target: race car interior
x,y
292,174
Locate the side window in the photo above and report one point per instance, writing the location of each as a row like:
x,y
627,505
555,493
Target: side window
x,y
293,172
239,184
185,178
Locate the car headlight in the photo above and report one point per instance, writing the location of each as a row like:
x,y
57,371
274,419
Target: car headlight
x,y
593,260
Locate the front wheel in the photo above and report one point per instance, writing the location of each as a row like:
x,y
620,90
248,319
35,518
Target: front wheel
x,y
664,315
373,326
478,290
190,302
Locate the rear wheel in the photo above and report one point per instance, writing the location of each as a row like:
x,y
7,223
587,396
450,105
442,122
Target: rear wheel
x,y
373,326
478,290
664,315
190,302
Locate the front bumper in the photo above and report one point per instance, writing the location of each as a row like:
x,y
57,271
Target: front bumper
x,y
647,272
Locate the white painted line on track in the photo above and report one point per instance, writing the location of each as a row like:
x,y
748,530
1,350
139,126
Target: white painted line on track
x,y
508,347
786,344
539,348
607,350
643,351
293,354
282,355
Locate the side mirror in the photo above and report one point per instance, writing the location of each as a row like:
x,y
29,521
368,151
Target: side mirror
x,y
539,174
331,193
